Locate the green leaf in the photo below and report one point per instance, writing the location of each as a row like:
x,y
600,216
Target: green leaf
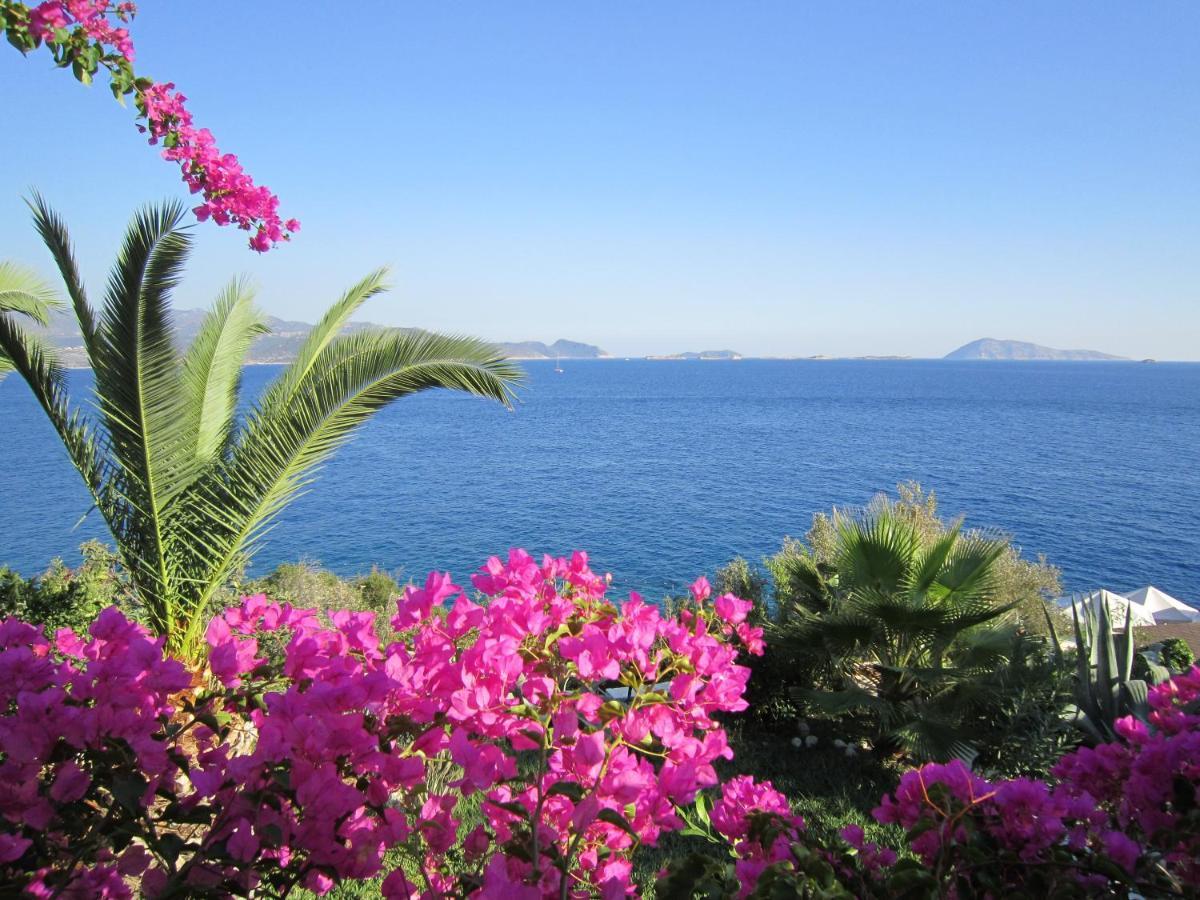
x,y
129,790
569,789
612,817
171,846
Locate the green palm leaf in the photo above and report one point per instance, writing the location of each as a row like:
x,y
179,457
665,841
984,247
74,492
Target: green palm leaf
x,y
212,369
877,553
280,446
57,239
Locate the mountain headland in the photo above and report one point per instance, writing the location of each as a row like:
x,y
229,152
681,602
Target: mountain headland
x,y
990,348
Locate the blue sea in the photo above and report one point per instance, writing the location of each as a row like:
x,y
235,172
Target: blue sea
x,y
663,470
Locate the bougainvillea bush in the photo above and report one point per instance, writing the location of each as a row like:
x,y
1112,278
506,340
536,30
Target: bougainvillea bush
x,y
1119,819
583,725
313,752
89,35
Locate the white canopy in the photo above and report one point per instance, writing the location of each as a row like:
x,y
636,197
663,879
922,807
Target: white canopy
x,y
1118,606
1162,606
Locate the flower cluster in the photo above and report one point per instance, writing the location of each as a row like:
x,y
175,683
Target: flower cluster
x,y
582,725
94,18
87,35
82,729
230,195
1118,818
1147,783
758,823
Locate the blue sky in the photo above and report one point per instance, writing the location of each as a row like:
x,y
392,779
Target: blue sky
x,y
777,178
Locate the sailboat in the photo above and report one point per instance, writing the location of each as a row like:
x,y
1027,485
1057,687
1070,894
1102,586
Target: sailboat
x,y
558,364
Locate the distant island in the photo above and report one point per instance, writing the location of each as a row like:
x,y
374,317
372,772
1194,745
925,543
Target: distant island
x,y
702,354
283,342
990,348
560,348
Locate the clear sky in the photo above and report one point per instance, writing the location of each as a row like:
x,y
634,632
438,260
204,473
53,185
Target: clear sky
x,y
777,178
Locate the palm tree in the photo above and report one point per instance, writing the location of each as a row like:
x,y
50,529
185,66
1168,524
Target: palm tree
x,y
186,487
904,625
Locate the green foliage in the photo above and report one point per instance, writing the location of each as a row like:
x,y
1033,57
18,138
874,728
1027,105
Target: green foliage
x,y
825,786
62,597
307,585
1105,686
1017,580
1176,655
377,590
185,488
891,612
900,624
1016,714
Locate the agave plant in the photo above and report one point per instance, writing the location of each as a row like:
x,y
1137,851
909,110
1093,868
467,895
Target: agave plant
x,y
1105,689
903,625
186,487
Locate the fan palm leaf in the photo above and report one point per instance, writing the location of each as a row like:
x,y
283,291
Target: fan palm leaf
x,y
923,613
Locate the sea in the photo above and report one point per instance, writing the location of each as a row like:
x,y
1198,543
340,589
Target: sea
x,y
663,470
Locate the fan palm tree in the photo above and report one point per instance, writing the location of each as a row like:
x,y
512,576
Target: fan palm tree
x,y
904,623
186,487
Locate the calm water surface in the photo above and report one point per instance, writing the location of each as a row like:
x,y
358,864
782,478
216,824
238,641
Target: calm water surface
x,y
664,470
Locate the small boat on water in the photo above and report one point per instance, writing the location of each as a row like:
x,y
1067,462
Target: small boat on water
x,y
558,364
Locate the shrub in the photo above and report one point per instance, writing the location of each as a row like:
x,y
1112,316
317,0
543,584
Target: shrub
x,y
1176,655
377,589
1117,820
580,726
925,659
62,597
306,583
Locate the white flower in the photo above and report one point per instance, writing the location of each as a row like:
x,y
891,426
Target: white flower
x,y
839,743
810,741
797,742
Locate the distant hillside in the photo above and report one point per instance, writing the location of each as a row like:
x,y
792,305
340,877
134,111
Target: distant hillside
x,y
989,348
538,350
703,354
282,344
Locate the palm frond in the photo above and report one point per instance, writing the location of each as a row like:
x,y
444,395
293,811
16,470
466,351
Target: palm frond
x,y
24,293
930,563
212,369
316,343
57,239
927,737
137,385
877,552
969,572
38,365
280,446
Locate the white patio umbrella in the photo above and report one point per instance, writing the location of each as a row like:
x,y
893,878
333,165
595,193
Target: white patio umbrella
x,y
1118,607
1162,606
